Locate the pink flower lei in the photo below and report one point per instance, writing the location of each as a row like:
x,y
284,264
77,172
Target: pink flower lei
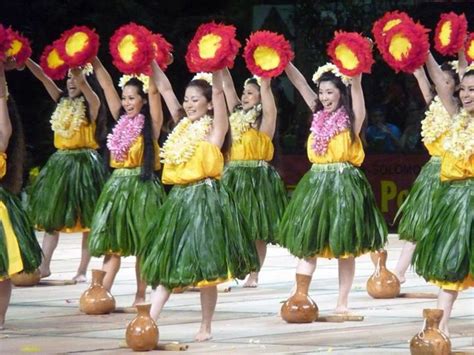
x,y
326,125
123,135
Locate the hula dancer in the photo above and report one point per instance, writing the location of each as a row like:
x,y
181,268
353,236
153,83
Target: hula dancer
x,y
131,197
19,249
197,238
65,192
444,251
256,185
332,212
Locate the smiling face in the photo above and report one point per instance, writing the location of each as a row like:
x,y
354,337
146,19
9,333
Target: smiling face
x,y
250,96
195,104
466,92
72,87
132,101
329,96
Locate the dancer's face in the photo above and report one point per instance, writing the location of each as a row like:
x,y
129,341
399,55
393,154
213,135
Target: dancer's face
x,y
195,104
250,96
329,96
466,93
132,101
72,87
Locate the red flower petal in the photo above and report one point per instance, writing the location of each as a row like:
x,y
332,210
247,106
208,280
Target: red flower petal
x,y
56,72
5,42
20,44
387,22
469,48
455,27
78,36
163,50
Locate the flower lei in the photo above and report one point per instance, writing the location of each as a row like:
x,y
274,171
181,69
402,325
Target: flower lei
x,y
460,140
437,121
326,125
182,141
123,135
346,80
69,116
241,121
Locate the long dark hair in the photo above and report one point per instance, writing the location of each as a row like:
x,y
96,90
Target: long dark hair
x,y
13,179
447,67
148,165
258,119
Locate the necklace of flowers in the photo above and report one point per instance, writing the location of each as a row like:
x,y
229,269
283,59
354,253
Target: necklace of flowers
x,y
69,116
437,121
183,140
460,140
241,121
326,125
124,134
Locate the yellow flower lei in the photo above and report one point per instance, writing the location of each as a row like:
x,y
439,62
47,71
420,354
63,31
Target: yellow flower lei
x,y
182,141
241,121
69,116
437,121
460,140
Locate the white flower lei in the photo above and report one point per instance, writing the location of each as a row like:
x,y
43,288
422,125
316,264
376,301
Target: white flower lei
x,y
346,80
437,121
241,121
69,116
182,141
460,140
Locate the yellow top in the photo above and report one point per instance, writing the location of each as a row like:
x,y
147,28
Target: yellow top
x,y
435,149
135,156
254,145
453,168
341,149
207,161
3,164
83,138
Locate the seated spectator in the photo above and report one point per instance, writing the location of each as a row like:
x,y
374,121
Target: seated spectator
x,y
382,137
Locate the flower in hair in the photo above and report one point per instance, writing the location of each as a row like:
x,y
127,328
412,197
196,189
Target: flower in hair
x,y
329,67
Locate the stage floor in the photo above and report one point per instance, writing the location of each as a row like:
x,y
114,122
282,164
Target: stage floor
x,y
46,319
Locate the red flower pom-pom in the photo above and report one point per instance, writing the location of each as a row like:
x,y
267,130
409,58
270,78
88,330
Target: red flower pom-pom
x,y
163,50
213,47
450,33
131,47
53,65
469,48
78,46
386,23
351,53
20,48
5,42
267,53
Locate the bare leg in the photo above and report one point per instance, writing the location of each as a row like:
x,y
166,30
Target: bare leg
x,y
85,258
111,266
5,293
50,242
304,267
252,280
346,277
141,285
208,305
158,300
446,300
404,261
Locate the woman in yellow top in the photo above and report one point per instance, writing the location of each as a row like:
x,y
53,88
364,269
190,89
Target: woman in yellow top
x,y
64,194
444,251
256,185
133,194
19,249
332,212
198,238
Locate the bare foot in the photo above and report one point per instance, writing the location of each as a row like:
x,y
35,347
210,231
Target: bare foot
x,y
203,336
138,300
80,278
252,281
45,272
341,310
401,278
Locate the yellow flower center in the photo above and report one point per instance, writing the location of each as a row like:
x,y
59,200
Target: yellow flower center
x,y
14,48
54,60
127,48
266,58
390,24
347,57
445,33
399,47
76,43
208,45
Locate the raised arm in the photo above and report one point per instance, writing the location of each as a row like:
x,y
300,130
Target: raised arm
x,y
165,89
221,120
436,74
300,83
156,111
107,84
462,62
358,103
5,124
424,84
269,110
47,82
91,97
231,96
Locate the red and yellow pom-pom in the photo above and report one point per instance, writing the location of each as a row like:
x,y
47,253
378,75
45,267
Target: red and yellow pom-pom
x,y
78,46
52,63
267,53
406,47
386,23
213,47
351,53
469,48
450,33
163,51
20,48
131,47
5,42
